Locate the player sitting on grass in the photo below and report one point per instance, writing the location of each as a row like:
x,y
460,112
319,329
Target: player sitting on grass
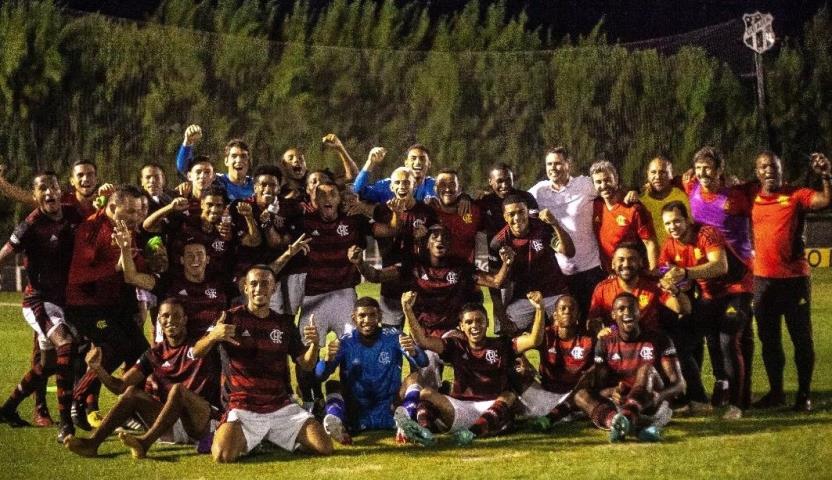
x,y
370,361
565,354
480,401
625,380
188,386
255,345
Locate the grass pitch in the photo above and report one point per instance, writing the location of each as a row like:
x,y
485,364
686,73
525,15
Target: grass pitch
x,y
761,445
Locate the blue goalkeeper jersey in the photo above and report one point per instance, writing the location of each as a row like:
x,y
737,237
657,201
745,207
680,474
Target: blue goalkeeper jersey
x,y
370,373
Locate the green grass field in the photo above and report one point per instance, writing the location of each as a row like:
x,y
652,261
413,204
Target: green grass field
x,y
761,445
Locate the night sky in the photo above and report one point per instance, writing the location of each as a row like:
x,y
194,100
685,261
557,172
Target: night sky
x,y
625,20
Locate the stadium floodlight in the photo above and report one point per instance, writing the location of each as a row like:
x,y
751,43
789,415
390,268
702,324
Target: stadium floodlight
x,y
759,36
759,31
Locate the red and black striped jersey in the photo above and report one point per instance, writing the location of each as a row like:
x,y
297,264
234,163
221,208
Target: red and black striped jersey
x,y
327,265
624,358
482,373
256,373
562,362
441,294
172,365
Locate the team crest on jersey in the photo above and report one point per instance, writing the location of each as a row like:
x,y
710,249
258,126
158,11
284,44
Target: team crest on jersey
x,y
577,353
643,300
384,358
342,230
190,354
418,223
621,220
468,218
537,245
646,352
218,245
697,254
101,324
491,356
452,278
276,336
783,200
211,292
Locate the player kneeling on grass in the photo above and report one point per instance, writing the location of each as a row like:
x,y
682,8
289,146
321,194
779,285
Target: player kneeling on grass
x,y
255,345
625,383
565,354
370,361
188,386
480,401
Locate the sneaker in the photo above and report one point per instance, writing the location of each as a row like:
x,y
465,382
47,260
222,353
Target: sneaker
x,y
79,416
412,430
7,415
700,408
650,434
802,403
662,416
619,428
542,424
42,418
65,430
770,400
132,426
401,439
464,437
733,413
334,427
94,418
719,397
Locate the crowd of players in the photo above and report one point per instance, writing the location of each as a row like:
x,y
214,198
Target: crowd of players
x,y
618,291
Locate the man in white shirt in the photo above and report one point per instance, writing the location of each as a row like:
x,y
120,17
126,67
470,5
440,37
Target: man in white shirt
x,y
570,200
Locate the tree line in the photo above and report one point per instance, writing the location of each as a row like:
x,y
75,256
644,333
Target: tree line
x,y
477,87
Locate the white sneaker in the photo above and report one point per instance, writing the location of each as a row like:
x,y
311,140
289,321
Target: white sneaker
x,y
334,427
663,415
733,413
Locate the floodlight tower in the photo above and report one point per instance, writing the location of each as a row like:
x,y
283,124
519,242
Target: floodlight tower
x,y
759,37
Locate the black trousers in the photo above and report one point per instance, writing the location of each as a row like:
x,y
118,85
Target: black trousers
x,y
582,284
727,322
789,298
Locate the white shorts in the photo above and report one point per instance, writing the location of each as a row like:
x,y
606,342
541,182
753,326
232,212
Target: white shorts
x,y
52,318
466,412
432,373
289,295
280,427
332,310
178,435
538,401
521,312
391,311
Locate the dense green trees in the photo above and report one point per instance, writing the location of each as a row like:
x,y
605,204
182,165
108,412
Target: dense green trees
x,y
477,88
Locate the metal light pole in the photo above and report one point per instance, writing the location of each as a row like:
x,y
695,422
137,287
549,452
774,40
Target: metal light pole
x,y
759,36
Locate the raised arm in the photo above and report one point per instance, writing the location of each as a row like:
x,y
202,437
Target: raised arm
x,y
131,378
332,141
192,136
498,279
530,340
298,246
252,237
153,223
124,239
564,241
370,273
13,191
416,330
220,332
821,166
310,336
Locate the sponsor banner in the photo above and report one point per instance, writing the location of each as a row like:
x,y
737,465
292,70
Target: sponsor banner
x,y
818,257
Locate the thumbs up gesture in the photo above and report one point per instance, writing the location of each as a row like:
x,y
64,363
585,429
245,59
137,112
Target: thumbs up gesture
x,y
310,332
332,349
224,332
